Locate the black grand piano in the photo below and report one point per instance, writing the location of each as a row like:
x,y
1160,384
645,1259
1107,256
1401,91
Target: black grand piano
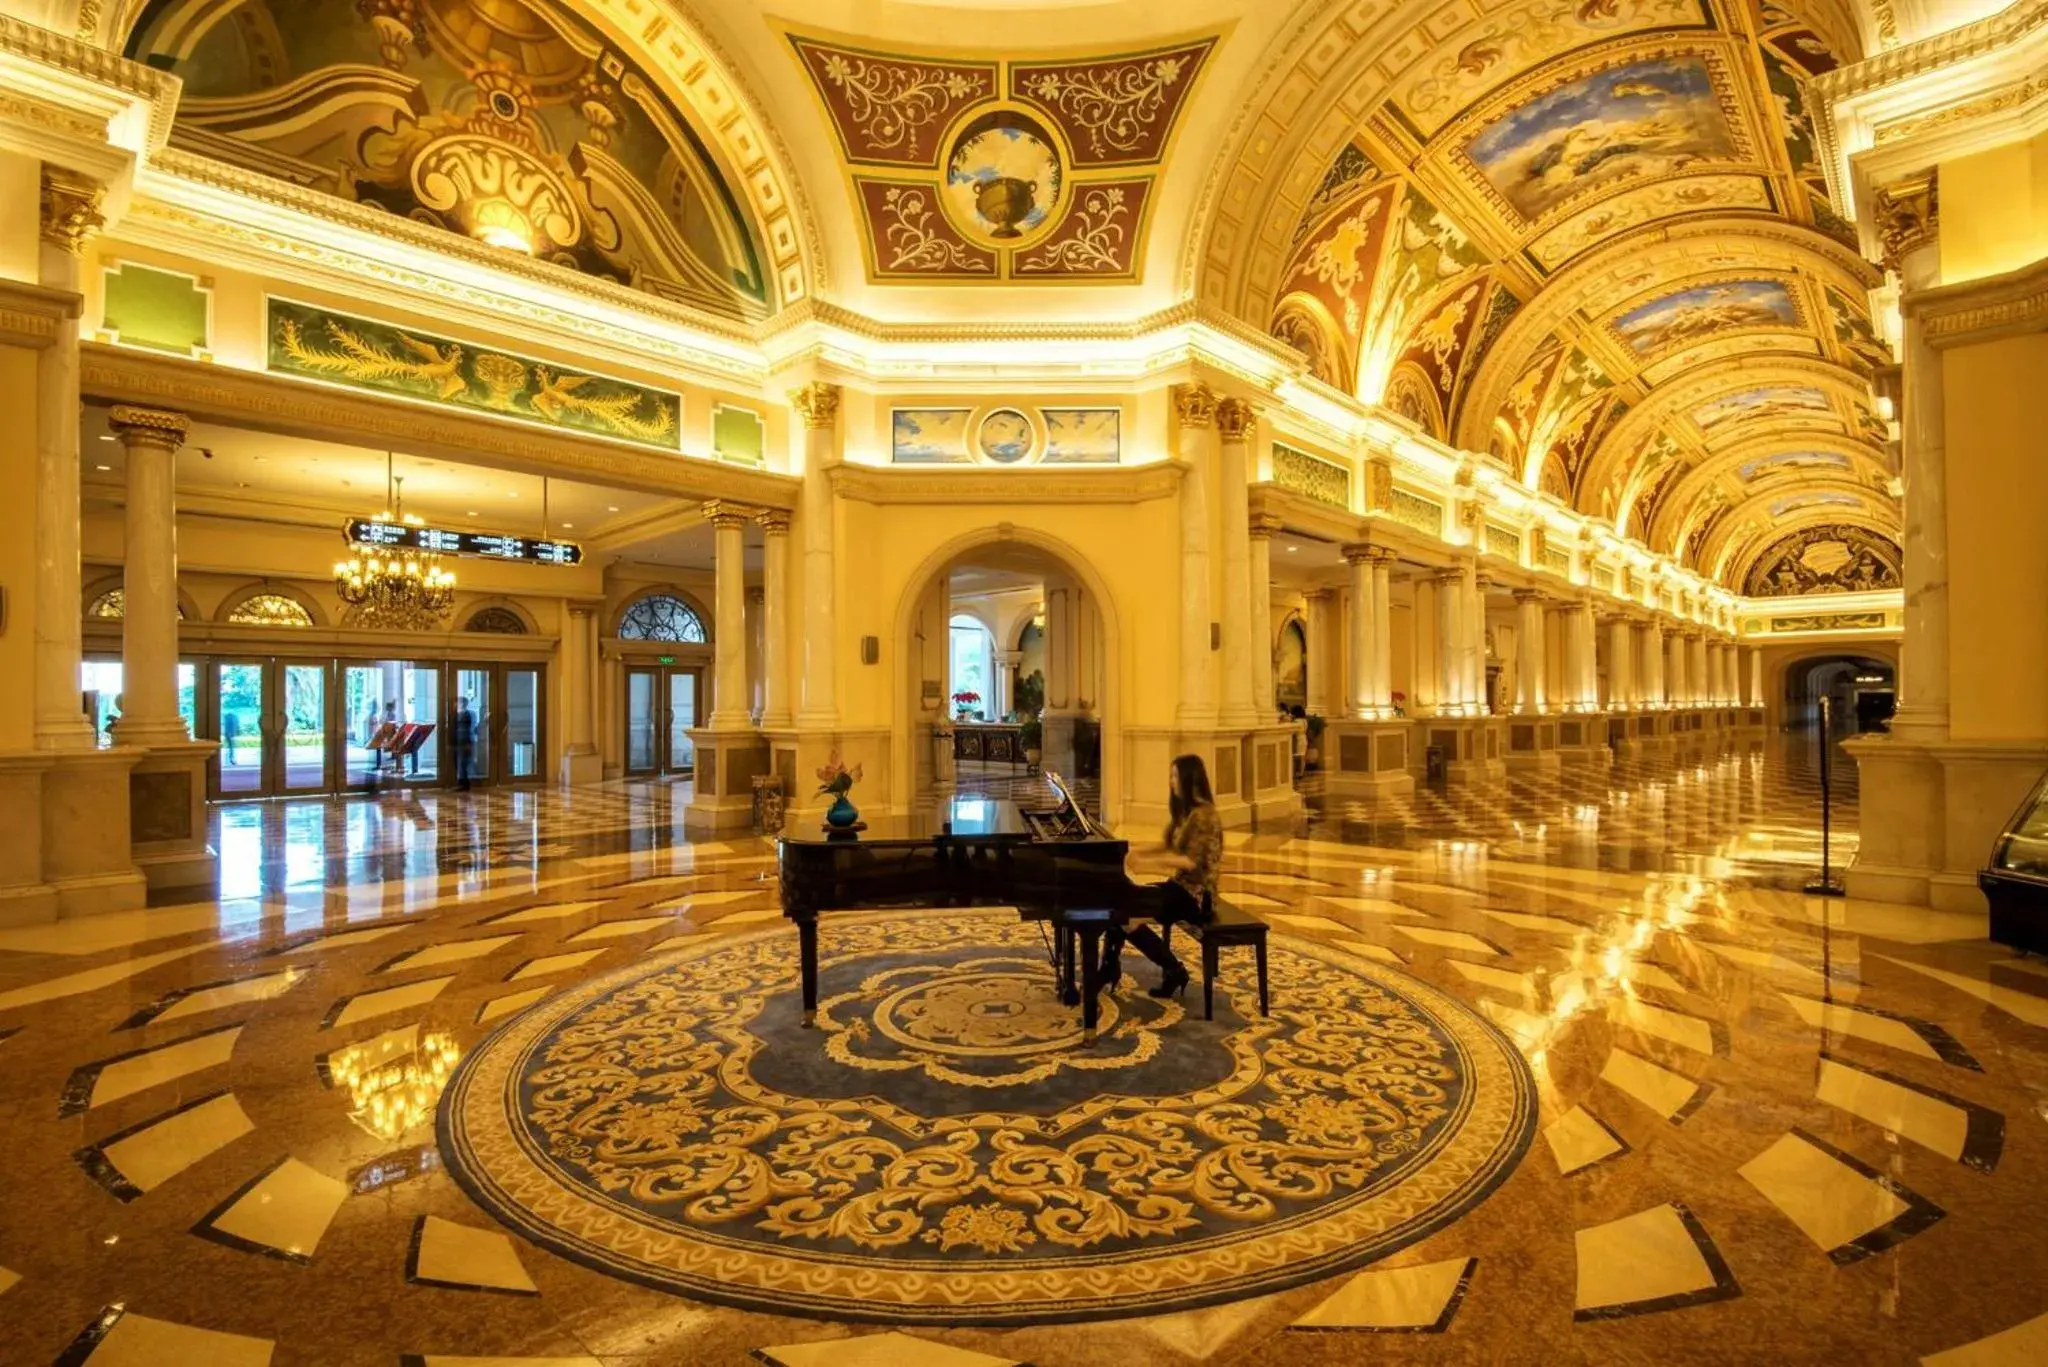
x,y
1054,865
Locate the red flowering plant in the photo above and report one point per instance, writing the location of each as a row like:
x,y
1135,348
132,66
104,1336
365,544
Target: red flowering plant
x,y
835,778
966,697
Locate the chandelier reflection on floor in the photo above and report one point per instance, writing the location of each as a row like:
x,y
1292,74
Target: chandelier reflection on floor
x,y
395,588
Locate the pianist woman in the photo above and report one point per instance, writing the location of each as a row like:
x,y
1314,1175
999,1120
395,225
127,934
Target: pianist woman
x,y
1194,843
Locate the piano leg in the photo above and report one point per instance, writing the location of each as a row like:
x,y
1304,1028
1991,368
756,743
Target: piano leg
x,y
1063,942
807,951
1091,958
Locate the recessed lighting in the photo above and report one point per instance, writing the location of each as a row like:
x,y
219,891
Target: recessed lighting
x,y
1292,549
106,438
613,508
102,467
511,493
472,514
568,524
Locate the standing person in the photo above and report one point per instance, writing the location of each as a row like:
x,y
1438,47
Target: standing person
x,y
230,733
462,740
386,737
1194,840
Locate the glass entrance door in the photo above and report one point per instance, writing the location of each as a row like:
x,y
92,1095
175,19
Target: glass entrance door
x,y
519,723
302,760
661,708
470,736
239,716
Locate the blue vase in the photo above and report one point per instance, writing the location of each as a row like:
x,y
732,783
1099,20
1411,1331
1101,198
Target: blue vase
x,y
842,813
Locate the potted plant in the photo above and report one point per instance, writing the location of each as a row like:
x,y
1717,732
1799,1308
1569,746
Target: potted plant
x,y
1312,749
1400,701
1031,736
835,778
1031,694
963,703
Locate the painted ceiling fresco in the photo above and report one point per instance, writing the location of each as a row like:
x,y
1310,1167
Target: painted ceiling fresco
x,y
979,169
1591,240
508,121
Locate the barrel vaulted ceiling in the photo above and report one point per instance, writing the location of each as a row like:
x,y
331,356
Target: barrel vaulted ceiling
x,y
1587,239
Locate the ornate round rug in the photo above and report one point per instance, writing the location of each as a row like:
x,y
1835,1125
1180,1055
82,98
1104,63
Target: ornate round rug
x,y
946,1146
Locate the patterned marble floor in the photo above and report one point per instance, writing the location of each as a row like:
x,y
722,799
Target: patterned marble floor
x,y
1772,1128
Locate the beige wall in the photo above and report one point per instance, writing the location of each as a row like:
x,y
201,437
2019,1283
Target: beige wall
x,y
1997,538
1994,211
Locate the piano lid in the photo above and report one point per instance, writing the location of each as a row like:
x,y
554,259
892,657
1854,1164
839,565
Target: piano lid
x,y
1069,807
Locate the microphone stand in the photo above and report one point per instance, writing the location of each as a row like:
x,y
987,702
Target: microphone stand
x,y
1827,885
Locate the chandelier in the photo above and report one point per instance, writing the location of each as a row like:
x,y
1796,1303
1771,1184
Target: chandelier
x,y
398,588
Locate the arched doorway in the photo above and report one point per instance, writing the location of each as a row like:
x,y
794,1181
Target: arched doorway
x,y
1021,623
1861,692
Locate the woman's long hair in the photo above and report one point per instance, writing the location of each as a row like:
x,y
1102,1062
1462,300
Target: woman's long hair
x,y
1191,777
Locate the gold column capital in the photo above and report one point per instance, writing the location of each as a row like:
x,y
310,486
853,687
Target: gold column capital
x,y
1526,596
1357,553
1265,525
817,403
724,514
147,426
70,209
1236,419
774,521
1908,216
1195,404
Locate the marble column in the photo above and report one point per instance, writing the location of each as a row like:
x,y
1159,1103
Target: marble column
x,y
1755,670
70,216
1696,672
580,760
1653,663
1264,704
1425,648
1006,682
774,618
729,640
1234,425
1574,667
1195,406
1474,644
1321,652
757,640
1907,214
150,439
1621,692
1585,631
1529,691
1383,630
817,409
1450,636
1361,637
1674,669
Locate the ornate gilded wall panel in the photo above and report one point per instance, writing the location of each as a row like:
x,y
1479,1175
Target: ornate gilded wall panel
x,y
362,353
1311,476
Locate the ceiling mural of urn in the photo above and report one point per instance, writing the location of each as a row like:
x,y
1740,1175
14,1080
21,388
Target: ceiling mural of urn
x,y
511,122
968,168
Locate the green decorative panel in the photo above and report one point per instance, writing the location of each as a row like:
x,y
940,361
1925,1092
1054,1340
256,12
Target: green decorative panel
x,y
1557,562
738,435
1829,621
1311,476
361,353
1413,510
162,310
1502,542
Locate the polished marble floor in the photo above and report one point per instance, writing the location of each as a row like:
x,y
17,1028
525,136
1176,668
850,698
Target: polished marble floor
x,y
1771,1129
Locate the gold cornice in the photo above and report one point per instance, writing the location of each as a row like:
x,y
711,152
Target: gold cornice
x,y
1908,216
31,315
1983,310
885,485
322,412
77,56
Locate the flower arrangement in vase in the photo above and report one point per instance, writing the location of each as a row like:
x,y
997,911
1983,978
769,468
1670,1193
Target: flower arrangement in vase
x,y
1400,704
835,778
963,703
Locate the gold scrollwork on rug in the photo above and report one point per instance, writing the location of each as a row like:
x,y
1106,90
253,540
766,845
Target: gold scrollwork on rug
x,y
652,1123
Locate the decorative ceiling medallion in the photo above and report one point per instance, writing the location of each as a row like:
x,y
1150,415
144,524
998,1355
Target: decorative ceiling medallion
x,y
1004,182
1013,156
1006,436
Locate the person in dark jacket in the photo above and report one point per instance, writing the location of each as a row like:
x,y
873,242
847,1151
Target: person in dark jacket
x,y
1194,841
462,740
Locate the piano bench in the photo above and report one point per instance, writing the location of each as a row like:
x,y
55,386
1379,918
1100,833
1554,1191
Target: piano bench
x,y
1232,926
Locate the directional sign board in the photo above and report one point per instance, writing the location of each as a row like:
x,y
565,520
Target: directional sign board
x,y
365,531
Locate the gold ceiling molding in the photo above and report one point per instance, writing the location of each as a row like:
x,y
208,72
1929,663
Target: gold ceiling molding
x,y
996,487
1984,310
246,398
1908,216
157,90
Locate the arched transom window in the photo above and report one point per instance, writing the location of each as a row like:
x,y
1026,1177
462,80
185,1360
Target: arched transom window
x,y
112,606
504,621
270,610
661,617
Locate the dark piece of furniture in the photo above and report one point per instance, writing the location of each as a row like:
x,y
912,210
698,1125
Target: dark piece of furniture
x,y
988,743
1051,865
2015,880
1233,925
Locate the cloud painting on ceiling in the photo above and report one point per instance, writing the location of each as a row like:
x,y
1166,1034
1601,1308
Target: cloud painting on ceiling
x,y
1690,315
1752,470
1633,122
1773,401
923,435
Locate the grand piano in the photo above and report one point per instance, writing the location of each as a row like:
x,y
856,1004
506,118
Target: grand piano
x,y
1054,865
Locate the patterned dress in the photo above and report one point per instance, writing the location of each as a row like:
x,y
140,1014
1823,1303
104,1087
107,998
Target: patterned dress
x,y
1199,838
